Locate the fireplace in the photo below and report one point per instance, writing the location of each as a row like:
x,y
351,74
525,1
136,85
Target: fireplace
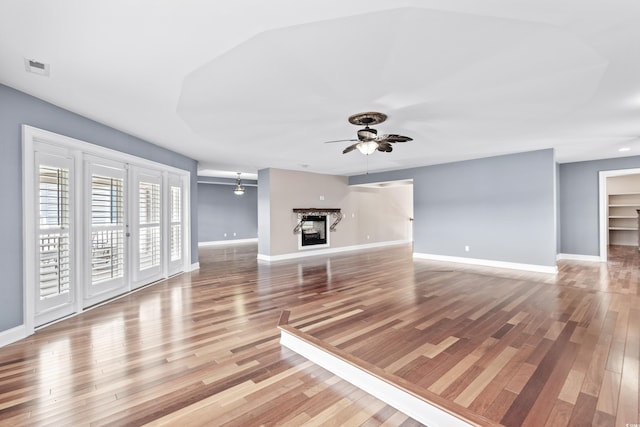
x,y
313,226
313,231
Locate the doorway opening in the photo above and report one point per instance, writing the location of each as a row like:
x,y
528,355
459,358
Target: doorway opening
x,y
619,201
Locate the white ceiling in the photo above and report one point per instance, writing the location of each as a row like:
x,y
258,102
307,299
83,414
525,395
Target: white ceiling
x,y
246,85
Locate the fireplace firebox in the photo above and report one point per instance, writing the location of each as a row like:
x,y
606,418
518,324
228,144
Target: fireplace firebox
x,y
313,230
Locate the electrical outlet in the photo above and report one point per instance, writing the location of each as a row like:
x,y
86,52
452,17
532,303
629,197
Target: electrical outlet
x,y
234,234
466,248
321,197
225,234
368,237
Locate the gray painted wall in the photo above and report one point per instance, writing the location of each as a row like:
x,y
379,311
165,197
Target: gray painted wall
x,y
220,211
501,207
17,108
579,205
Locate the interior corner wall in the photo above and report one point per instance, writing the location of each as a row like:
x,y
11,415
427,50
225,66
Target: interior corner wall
x,y
579,203
223,215
18,108
558,224
502,208
264,212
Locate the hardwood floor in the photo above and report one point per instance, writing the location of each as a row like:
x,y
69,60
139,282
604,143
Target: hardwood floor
x,y
202,348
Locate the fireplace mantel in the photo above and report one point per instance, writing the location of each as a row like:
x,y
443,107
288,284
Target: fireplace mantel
x,y
303,212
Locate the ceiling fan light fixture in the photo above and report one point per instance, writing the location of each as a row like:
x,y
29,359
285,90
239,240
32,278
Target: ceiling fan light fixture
x,y
368,140
239,189
367,147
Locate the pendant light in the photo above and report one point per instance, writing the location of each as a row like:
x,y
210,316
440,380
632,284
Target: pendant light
x,y
239,189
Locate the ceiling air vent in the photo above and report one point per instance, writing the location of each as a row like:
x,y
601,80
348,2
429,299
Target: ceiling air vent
x,y
36,67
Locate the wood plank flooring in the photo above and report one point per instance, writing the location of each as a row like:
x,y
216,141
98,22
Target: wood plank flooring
x,y
202,348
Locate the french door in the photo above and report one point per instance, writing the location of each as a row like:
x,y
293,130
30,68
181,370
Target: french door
x,y
106,245
148,239
55,287
98,224
176,228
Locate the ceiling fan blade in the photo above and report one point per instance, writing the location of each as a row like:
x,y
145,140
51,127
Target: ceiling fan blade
x,y
385,147
340,140
350,148
392,137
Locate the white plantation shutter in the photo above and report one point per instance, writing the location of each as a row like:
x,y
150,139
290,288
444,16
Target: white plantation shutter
x,y
107,228
53,274
55,267
149,225
176,223
53,239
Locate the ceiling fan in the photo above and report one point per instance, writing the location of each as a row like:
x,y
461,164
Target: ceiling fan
x,y
368,140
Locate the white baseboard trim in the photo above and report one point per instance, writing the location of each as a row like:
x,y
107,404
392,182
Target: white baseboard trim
x,y
195,266
328,251
576,257
12,335
489,263
393,396
227,242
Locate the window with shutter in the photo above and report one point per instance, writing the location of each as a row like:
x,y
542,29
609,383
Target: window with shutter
x,y
149,223
176,223
53,240
52,277
107,228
